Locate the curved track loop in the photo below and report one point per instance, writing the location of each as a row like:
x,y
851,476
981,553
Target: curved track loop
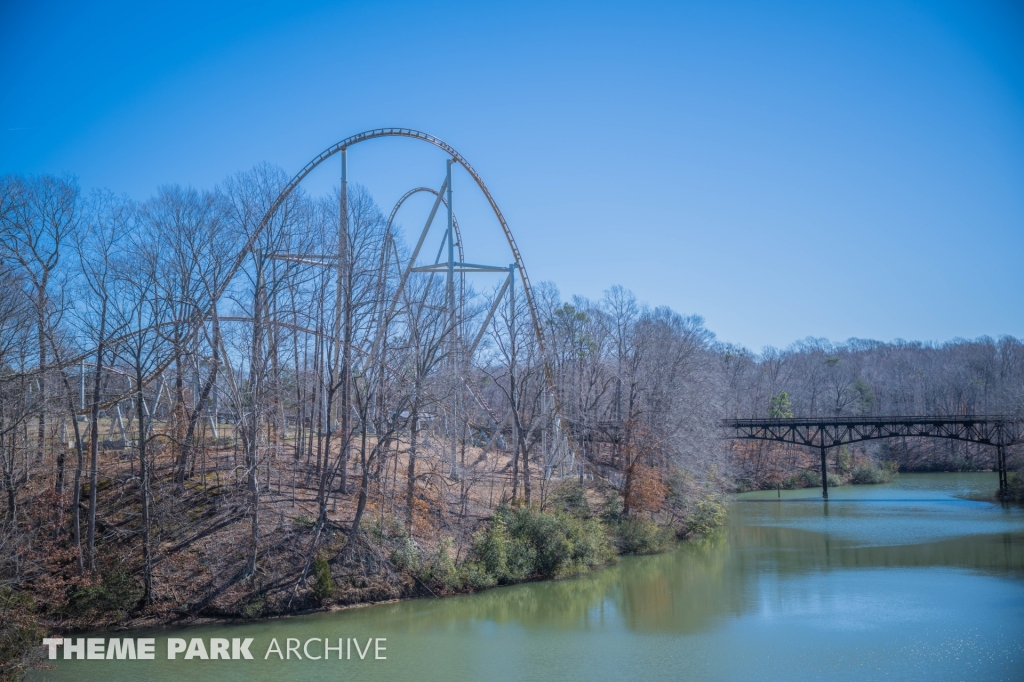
x,y
416,135
455,227
455,222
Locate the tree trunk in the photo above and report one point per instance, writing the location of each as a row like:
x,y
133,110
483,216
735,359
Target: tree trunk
x,y
76,501
94,444
526,470
515,455
8,469
410,490
187,445
364,482
147,559
252,421
41,434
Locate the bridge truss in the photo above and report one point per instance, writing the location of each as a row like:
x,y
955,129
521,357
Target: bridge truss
x,y
998,431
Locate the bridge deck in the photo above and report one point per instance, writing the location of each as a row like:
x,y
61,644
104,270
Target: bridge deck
x,y
867,421
999,431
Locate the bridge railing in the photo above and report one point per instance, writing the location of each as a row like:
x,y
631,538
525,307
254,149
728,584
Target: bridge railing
x,y
873,421
1000,431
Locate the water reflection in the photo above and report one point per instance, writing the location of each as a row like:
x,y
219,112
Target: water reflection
x,y
723,576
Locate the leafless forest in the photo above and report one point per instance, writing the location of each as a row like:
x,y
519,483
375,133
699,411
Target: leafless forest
x,y
199,420
869,378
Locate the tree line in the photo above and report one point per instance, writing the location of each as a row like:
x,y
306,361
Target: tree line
x,y
816,378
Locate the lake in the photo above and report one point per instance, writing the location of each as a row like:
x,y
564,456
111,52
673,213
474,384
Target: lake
x,y
918,579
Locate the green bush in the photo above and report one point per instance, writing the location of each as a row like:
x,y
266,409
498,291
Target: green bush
x,y
20,633
571,498
809,478
439,571
745,485
323,585
867,474
636,535
406,554
501,557
476,577
116,594
708,514
523,543
802,479
1014,487
843,460
255,607
611,510
304,522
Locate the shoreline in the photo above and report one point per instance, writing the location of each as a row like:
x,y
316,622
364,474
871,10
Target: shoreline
x,y
200,621
154,623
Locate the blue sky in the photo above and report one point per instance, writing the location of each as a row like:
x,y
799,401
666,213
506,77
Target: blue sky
x,y
784,169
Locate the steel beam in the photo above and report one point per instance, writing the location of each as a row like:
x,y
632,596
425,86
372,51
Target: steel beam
x,y
824,469
995,430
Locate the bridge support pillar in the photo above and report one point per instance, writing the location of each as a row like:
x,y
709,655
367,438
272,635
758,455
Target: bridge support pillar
x,y
824,470
1001,467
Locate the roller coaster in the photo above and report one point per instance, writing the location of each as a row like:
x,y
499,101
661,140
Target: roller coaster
x,y
451,262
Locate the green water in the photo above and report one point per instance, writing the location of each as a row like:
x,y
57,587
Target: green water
x,y
911,580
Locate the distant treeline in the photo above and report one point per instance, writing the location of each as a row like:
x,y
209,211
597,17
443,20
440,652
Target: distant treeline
x,y
815,378
866,378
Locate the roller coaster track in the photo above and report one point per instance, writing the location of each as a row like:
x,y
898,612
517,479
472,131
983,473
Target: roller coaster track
x,y
416,135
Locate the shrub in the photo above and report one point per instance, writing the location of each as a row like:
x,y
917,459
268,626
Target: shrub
x,y
636,535
571,498
20,633
1014,487
502,558
867,474
440,570
745,485
522,543
475,576
115,595
802,479
406,554
645,489
808,478
843,459
255,607
323,585
709,513
611,511
304,522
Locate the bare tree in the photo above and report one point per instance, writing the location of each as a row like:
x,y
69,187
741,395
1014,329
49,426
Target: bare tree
x,y
37,216
106,225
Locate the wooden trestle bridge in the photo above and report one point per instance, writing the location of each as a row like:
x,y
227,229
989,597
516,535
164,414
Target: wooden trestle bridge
x,y
824,433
